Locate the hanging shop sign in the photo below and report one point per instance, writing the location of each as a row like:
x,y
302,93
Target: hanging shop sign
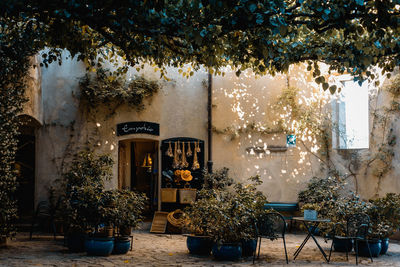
x,y
138,127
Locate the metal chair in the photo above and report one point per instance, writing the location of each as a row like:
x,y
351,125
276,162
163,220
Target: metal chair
x,y
356,230
270,225
42,215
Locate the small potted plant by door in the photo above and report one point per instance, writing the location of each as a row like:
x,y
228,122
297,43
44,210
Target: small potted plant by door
x,y
130,206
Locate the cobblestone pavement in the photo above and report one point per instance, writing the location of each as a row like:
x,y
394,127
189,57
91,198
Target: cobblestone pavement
x,y
170,250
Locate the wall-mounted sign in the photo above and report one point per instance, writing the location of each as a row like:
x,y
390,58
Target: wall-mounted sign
x,y
138,127
290,140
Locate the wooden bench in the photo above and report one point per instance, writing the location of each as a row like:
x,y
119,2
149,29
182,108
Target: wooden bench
x,y
288,209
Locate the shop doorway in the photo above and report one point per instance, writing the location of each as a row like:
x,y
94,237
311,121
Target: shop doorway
x,y
139,170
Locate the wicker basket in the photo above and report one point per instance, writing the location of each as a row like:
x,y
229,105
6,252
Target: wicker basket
x,y
176,222
168,194
187,195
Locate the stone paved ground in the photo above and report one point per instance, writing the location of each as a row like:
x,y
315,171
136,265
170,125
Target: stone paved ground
x,y
170,250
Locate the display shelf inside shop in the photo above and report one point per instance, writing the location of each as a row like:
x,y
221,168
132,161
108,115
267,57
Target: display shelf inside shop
x,y
167,165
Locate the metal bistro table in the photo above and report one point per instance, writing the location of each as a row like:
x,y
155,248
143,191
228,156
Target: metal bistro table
x,y
310,225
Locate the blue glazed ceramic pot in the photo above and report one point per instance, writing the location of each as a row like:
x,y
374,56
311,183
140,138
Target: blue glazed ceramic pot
x,y
385,245
248,247
121,245
99,246
229,252
200,245
374,245
341,245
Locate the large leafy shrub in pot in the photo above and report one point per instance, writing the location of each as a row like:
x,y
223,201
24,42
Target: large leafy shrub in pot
x,y
235,214
345,207
86,205
198,214
227,215
323,192
385,215
327,194
83,198
384,212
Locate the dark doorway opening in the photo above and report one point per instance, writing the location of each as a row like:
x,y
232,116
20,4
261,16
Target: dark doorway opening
x,y
144,172
25,167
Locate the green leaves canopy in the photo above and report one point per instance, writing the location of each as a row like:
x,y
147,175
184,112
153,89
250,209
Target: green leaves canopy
x,y
261,35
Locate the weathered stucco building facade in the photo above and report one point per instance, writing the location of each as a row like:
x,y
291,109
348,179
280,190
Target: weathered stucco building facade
x,y
246,137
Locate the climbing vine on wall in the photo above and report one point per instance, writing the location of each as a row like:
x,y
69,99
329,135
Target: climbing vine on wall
x,y
105,88
15,52
383,136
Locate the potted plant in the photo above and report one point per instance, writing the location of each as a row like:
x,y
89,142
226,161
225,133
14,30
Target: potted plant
x,y
129,206
197,215
385,218
100,211
234,215
254,201
82,185
344,207
227,230
324,193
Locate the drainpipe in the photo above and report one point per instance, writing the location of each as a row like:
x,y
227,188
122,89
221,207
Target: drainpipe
x,y
209,110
